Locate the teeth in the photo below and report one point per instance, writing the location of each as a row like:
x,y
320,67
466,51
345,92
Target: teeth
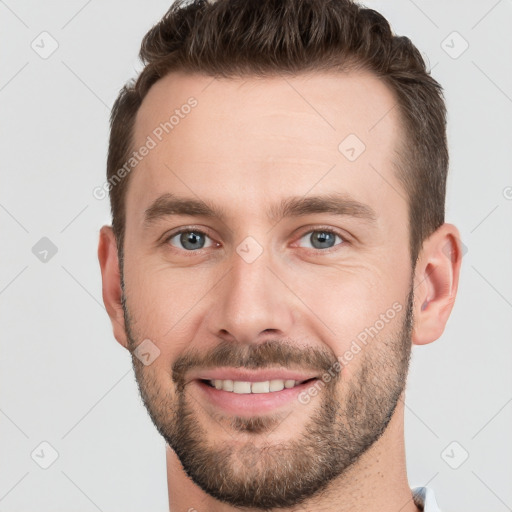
x,y
242,387
260,387
276,385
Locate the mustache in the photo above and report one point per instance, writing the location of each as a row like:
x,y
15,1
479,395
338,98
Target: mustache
x,y
268,354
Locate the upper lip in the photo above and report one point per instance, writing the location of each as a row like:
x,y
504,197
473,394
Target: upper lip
x,y
252,375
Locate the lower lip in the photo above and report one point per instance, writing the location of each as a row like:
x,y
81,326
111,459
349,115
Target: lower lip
x,y
251,403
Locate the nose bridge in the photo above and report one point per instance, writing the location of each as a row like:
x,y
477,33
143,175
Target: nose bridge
x,y
251,299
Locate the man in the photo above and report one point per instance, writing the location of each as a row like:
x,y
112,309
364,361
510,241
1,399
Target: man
x,y
277,181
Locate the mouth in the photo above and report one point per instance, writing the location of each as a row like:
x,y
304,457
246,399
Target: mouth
x,y
249,398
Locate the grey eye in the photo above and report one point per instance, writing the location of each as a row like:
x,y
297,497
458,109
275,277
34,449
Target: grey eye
x,y
321,239
189,240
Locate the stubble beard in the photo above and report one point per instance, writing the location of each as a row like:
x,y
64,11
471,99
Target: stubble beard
x,y
348,418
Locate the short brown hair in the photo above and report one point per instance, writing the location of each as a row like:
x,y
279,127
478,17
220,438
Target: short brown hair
x,y
237,38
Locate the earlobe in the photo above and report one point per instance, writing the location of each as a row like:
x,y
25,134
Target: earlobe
x,y
111,282
436,282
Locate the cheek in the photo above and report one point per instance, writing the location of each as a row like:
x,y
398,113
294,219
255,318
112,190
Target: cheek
x,y
353,309
162,300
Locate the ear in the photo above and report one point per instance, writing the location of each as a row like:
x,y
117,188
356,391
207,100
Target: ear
x,y
436,279
111,278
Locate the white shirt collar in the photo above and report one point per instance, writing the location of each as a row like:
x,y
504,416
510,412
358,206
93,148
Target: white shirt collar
x,y
424,497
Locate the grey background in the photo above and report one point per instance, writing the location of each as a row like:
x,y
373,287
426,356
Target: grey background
x,y
66,381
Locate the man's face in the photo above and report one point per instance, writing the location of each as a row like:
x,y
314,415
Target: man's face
x,y
265,293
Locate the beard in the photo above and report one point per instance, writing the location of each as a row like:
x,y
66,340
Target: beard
x,y
348,417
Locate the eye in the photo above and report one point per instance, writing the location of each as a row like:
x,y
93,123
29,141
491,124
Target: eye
x,y
321,239
189,239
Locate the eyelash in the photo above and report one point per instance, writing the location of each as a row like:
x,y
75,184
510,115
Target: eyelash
x,y
310,231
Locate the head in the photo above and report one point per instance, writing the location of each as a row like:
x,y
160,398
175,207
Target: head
x,y
286,215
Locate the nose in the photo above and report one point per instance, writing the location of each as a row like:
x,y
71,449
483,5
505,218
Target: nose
x,y
251,302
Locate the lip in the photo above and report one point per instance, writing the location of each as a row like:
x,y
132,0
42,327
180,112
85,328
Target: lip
x,y
249,404
252,375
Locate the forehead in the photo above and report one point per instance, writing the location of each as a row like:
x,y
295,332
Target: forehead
x,y
266,137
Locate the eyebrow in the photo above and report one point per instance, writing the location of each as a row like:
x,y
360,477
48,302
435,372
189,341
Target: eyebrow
x,y
335,203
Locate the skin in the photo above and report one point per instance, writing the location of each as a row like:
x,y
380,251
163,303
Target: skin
x,y
247,145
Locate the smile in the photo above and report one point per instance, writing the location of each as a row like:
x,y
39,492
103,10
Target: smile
x,y
244,387
250,398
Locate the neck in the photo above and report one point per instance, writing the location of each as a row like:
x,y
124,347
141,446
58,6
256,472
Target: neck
x,y
377,482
